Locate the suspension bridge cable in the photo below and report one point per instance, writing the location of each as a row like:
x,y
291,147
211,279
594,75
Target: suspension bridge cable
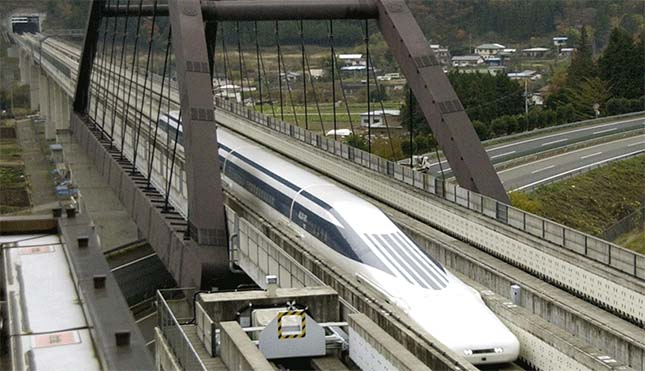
x,y
163,81
121,61
110,71
145,84
367,70
286,75
134,59
239,57
342,88
378,90
277,40
246,77
304,74
313,88
168,110
257,57
411,123
174,156
227,69
266,80
104,23
330,35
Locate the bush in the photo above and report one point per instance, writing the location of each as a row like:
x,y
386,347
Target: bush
x,y
564,114
549,118
481,129
618,106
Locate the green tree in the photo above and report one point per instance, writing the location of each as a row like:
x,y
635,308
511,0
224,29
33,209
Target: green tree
x,y
582,63
622,65
356,141
482,130
601,25
419,123
589,92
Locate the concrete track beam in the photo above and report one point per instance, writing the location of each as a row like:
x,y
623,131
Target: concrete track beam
x,y
34,87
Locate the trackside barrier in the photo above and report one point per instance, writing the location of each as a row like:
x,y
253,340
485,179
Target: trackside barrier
x,y
176,337
592,247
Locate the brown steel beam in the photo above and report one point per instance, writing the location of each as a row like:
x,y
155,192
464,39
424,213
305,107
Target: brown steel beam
x,y
254,10
439,102
81,96
206,219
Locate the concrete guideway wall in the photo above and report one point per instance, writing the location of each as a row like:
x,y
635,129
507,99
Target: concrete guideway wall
x,y
493,237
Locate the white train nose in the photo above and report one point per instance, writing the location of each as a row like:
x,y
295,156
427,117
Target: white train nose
x,y
466,325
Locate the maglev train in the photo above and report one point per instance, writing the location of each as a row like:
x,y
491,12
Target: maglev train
x,y
360,239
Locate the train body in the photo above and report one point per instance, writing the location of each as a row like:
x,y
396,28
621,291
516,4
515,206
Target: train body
x,y
359,238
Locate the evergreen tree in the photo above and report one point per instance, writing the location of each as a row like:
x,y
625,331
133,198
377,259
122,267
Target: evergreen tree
x,y
419,124
585,95
582,63
621,65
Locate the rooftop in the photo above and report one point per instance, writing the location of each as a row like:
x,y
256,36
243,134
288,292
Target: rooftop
x,y
350,56
539,49
390,112
466,58
491,46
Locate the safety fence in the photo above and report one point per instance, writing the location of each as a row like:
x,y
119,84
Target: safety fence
x,y
592,247
629,223
175,335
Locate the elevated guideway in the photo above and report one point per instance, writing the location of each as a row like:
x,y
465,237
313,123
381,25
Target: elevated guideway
x,y
483,223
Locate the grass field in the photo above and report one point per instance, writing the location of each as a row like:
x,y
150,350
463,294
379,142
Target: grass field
x,y
634,240
326,112
593,201
13,195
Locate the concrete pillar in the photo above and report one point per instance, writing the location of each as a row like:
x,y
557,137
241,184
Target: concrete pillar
x,y
65,110
24,72
53,105
45,107
58,107
34,87
42,90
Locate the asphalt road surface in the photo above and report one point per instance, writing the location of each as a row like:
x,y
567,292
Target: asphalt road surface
x,y
549,169
547,142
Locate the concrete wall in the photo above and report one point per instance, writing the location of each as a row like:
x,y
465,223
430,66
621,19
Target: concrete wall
x,y
238,351
367,333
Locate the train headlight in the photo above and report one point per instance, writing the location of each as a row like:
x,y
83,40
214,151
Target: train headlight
x,y
468,352
499,350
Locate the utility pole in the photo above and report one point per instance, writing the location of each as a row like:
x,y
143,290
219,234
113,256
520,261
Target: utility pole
x,y
526,96
11,96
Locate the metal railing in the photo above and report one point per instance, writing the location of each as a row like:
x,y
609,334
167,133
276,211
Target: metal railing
x,y
176,337
629,223
592,247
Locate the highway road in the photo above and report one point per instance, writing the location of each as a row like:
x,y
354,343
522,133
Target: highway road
x,y
526,146
553,168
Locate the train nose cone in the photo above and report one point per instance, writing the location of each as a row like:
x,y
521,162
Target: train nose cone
x,y
463,323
